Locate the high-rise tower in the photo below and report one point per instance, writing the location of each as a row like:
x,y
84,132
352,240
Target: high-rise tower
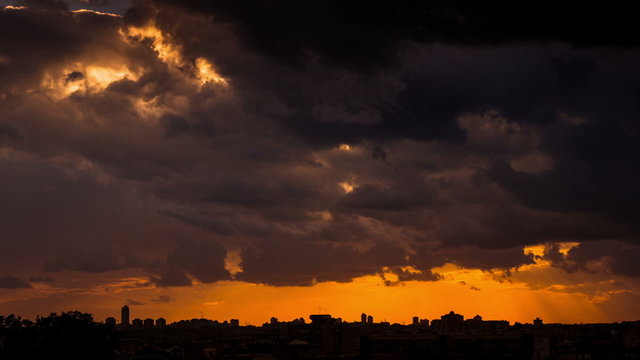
x,y
124,315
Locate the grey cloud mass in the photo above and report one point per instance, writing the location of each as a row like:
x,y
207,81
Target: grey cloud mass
x,y
12,282
400,137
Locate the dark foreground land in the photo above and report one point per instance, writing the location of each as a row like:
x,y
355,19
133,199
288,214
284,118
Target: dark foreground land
x,y
74,335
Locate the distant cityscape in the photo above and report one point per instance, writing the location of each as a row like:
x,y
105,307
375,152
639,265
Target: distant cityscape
x,y
76,335
450,322
450,336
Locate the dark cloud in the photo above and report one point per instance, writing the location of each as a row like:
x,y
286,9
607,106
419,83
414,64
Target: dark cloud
x,y
397,198
110,6
574,185
200,260
41,279
378,153
282,263
58,5
610,257
50,40
12,282
366,33
176,125
162,299
256,194
403,274
135,303
93,259
96,2
351,138
74,76
488,259
8,133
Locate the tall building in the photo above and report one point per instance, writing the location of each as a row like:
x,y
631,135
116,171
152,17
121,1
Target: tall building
x,y
161,323
474,325
415,320
370,319
452,322
363,318
124,315
318,319
137,323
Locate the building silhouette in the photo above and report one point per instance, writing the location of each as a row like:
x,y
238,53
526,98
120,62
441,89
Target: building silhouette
x,y
124,315
148,323
452,322
137,323
450,336
161,323
321,319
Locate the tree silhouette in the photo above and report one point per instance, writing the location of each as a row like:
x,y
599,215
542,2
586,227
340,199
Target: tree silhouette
x,y
69,335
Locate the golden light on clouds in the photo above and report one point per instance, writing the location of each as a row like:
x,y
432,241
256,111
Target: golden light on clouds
x,y
538,251
565,247
465,291
84,11
101,77
85,79
12,7
167,52
347,186
206,73
171,54
233,262
194,149
517,294
321,215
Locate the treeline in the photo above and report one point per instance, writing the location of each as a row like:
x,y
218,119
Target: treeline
x,y
68,335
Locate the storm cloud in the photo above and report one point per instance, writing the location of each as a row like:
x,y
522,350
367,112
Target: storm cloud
x,y
12,282
319,141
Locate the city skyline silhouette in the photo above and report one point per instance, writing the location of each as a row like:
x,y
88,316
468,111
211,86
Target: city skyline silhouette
x,y
451,336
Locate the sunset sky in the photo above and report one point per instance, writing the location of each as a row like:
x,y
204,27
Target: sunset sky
x,y
248,159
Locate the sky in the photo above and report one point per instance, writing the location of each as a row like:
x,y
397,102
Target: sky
x,y
248,159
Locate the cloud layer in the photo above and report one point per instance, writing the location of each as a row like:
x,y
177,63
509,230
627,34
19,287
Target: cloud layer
x,y
317,142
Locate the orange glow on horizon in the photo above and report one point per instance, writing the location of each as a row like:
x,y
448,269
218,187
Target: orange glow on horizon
x,y
518,294
255,304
